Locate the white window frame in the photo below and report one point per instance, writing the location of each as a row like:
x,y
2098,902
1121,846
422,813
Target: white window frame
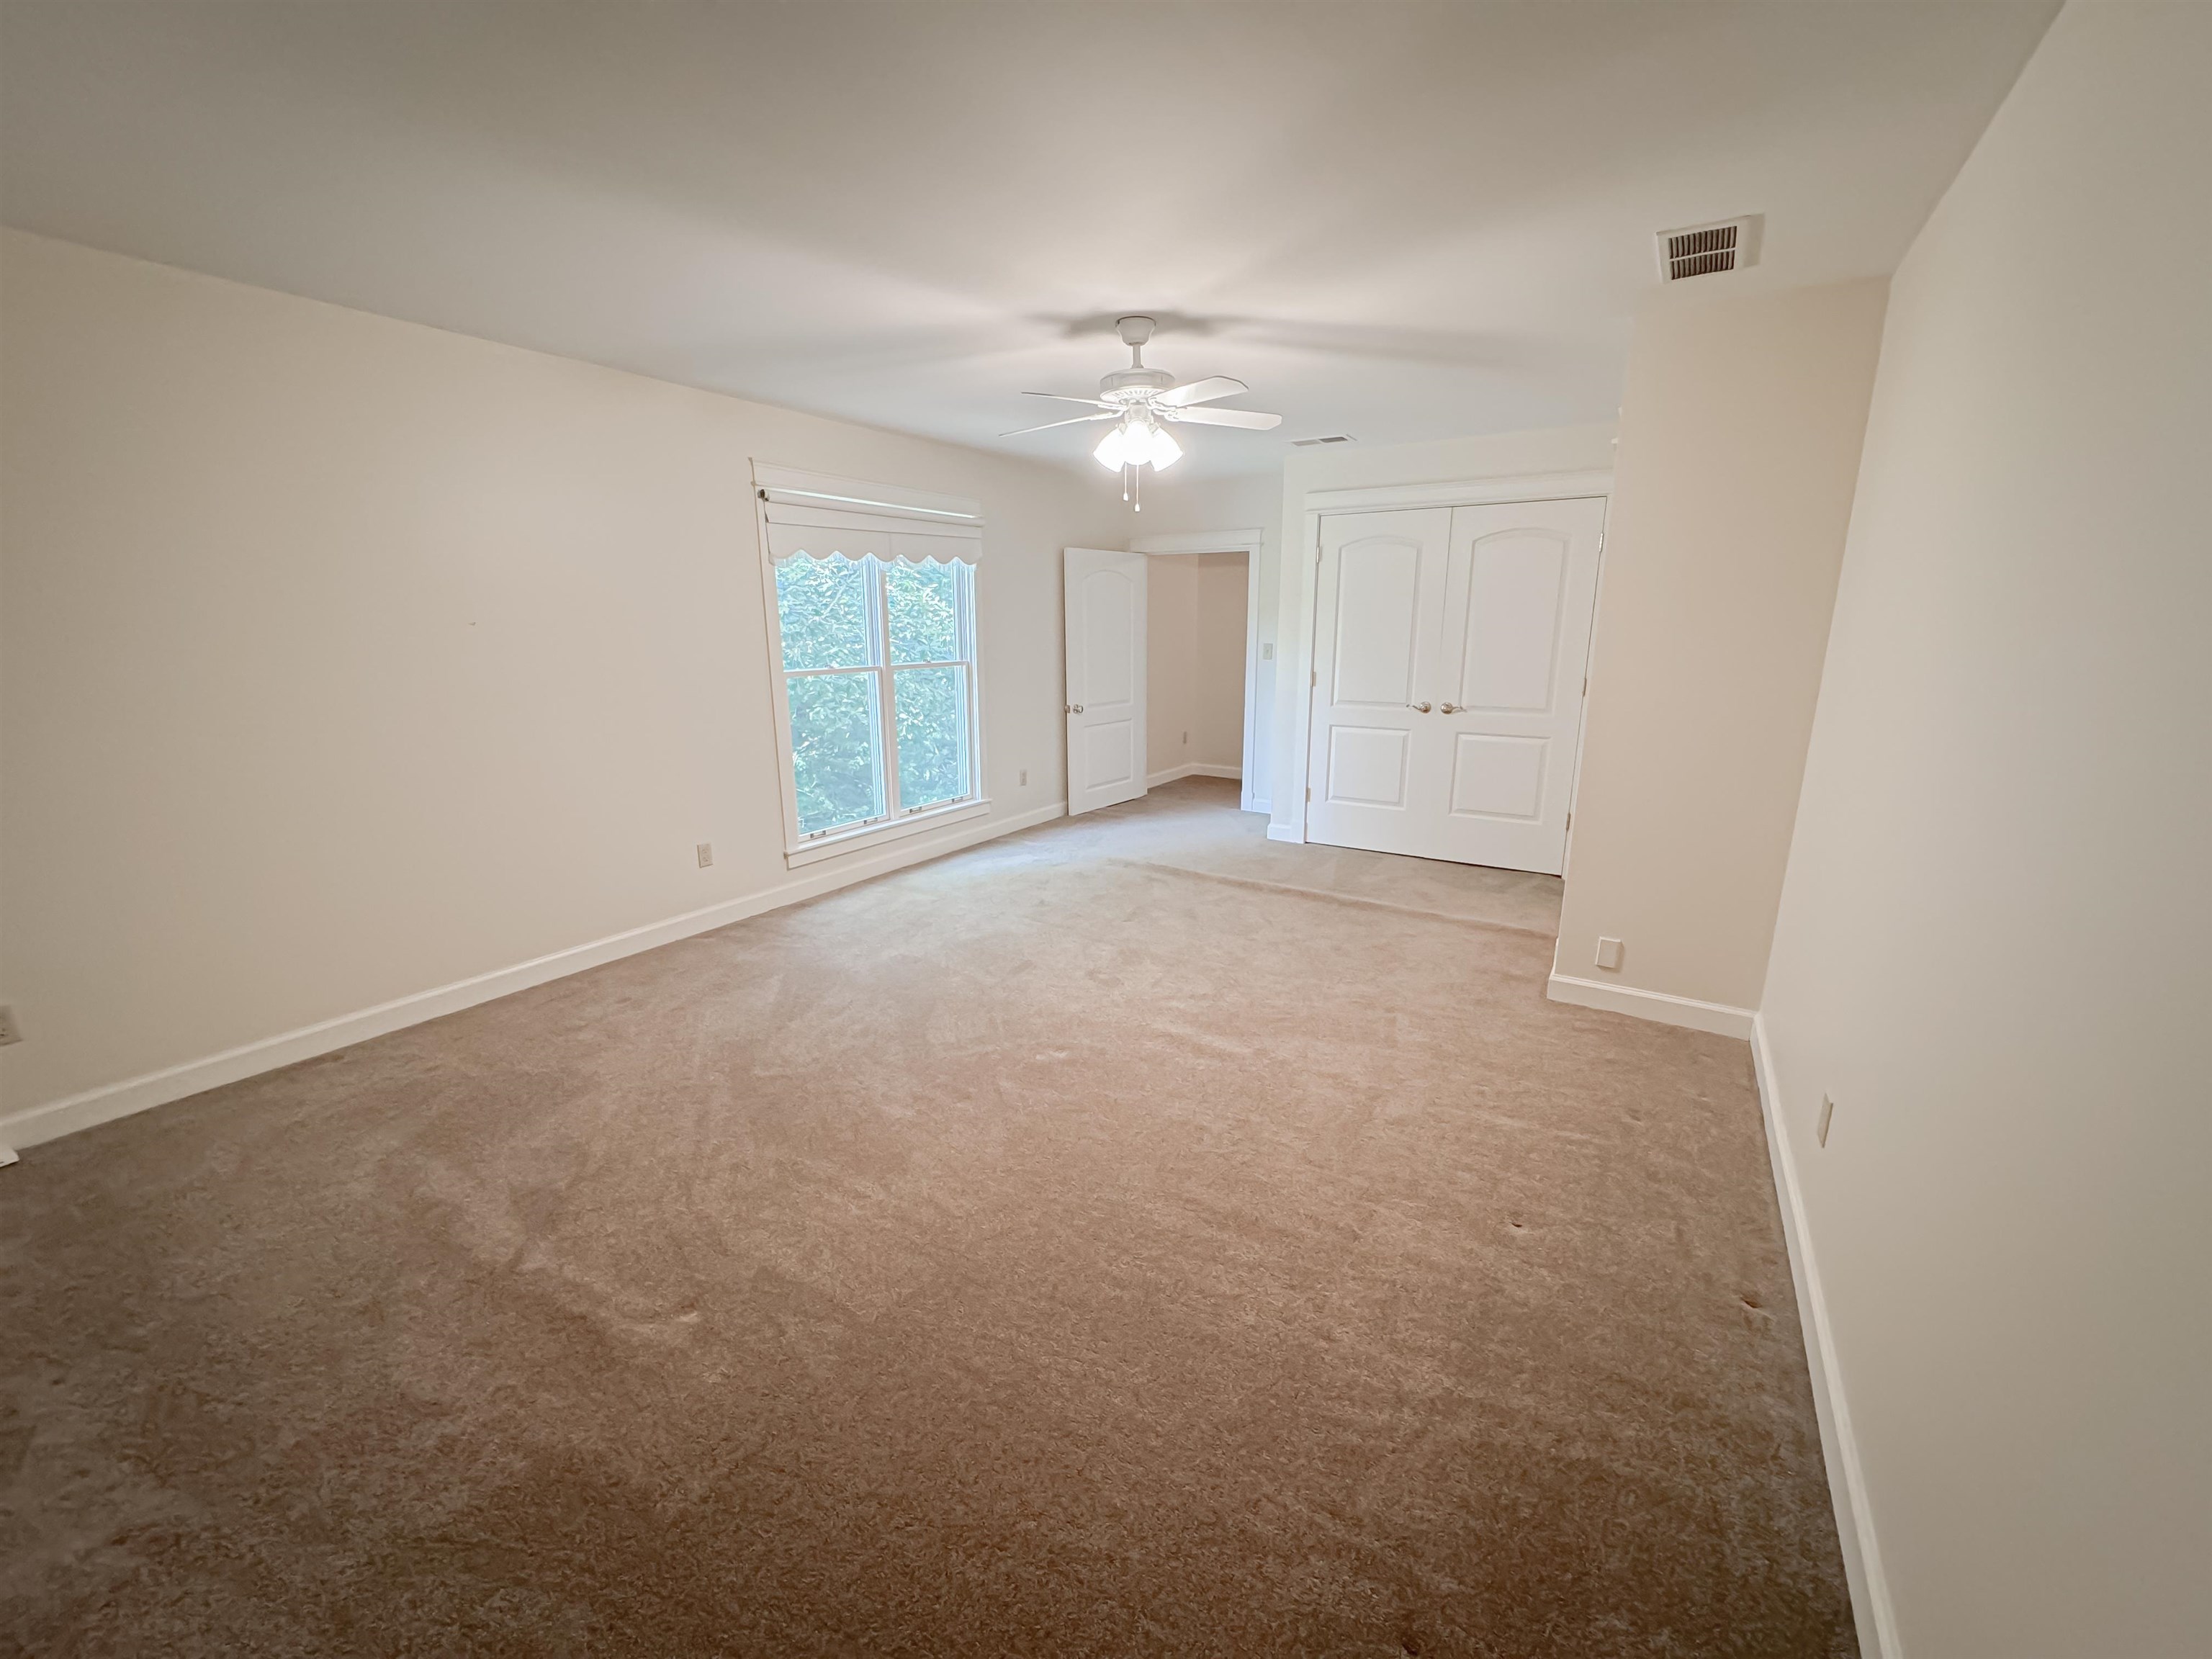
x,y
892,516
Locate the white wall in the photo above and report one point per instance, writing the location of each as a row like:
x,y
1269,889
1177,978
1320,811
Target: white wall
x,y
1991,948
1170,661
1740,431
1288,575
1218,680
344,657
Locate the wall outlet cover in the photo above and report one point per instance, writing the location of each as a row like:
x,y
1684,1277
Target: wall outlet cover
x,y
705,853
1608,953
1827,1111
10,1031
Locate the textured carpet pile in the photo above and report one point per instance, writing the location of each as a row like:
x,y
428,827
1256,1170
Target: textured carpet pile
x,y
1086,1244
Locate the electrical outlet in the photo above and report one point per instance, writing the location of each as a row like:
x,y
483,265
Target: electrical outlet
x,y
1025,777
10,1031
1827,1111
1266,653
1608,953
705,853
1186,740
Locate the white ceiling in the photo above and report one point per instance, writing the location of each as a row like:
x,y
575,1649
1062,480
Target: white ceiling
x,y
1403,222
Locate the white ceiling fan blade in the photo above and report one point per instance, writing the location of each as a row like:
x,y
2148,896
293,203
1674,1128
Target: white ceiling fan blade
x,y
1243,417
1202,392
1078,420
1096,403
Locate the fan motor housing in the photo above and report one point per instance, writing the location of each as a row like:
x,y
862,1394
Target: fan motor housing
x,y
1129,386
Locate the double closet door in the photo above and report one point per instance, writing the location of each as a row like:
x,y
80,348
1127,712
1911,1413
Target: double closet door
x,y
1449,650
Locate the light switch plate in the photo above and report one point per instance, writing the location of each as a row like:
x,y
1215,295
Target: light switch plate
x,y
1827,1111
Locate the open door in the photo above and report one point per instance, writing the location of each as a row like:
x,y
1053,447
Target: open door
x,y
1105,678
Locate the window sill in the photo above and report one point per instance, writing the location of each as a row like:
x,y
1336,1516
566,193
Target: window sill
x,y
855,840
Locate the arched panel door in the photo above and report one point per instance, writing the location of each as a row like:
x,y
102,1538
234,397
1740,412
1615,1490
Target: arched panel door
x,y
1105,705
1449,646
1372,782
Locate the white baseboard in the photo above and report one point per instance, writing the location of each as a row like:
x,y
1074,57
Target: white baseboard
x,y
36,1124
1287,832
1194,769
1715,1017
1871,1610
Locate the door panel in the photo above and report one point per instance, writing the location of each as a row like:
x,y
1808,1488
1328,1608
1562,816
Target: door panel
x,y
1510,625
1379,602
1497,777
1105,706
1109,611
1367,767
1378,612
1482,613
1109,756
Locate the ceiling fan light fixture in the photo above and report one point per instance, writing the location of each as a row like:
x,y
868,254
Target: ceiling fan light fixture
x,y
1163,451
1113,450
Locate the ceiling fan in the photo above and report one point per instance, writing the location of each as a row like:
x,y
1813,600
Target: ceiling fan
x,y
1142,403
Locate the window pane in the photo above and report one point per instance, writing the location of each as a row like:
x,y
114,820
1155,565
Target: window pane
x,y
836,750
823,606
924,612
932,734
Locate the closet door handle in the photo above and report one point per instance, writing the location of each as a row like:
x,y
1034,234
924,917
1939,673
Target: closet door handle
x,y
1449,709
1074,708
1421,708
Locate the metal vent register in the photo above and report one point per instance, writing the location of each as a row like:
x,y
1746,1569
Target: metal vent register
x,y
1705,249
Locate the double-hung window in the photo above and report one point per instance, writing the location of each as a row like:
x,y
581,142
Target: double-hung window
x,y
872,619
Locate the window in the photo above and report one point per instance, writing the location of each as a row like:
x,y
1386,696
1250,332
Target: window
x,y
875,631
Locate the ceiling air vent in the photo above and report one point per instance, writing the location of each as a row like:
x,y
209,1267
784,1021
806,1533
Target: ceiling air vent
x,y
1704,250
1333,438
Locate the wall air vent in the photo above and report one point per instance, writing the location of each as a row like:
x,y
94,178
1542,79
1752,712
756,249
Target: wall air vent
x,y
1706,250
1333,438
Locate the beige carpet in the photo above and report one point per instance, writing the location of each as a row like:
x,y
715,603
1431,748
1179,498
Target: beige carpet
x,y
1046,1250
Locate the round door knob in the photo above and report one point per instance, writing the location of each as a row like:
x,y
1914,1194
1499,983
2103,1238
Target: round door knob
x,y
1079,708
1422,707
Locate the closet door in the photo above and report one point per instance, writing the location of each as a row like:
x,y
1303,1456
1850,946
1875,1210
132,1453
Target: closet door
x,y
1450,647
1519,591
1373,764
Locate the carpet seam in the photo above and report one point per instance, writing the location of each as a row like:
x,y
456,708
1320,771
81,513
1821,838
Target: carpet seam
x,y
1324,894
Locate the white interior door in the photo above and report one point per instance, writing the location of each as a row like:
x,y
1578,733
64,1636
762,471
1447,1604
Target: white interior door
x,y
1477,621
1105,706
1378,603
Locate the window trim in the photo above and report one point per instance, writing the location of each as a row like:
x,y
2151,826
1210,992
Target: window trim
x,y
782,497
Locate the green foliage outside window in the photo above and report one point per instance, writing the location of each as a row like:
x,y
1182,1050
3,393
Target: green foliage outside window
x,y
838,759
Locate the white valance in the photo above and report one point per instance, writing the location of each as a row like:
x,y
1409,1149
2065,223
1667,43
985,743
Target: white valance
x,y
821,509
791,541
